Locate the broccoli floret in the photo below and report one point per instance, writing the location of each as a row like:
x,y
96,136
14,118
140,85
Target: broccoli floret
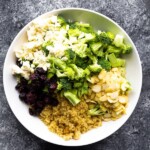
x,y
83,90
80,50
74,32
105,64
118,41
81,62
113,49
68,72
51,71
116,62
61,20
84,27
79,71
44,47
58,62
64,83
74,100
77,84
95,111
95,68
106,38
88,37
71,56
97,49
126,49
60,74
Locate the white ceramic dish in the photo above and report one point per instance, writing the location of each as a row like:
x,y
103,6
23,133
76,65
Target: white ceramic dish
x,y
35,125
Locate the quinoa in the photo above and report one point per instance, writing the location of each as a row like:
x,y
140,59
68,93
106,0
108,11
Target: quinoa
x,y
68,121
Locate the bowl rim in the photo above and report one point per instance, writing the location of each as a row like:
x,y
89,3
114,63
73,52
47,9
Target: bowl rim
x,y
85,10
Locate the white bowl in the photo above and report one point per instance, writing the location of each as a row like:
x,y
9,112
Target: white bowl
x,y
34,124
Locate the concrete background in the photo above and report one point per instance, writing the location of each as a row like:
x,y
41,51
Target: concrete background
x,y
133,16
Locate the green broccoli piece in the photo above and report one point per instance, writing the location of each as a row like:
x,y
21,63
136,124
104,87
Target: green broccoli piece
x,y
84,27
83,89
95,68
95,111
97,49
77,84
73,99
113,49
126,49
64,83
58,62
89,37
80,50
106,37
68,72
74,32
81,62
79,71
116,62
51,71
118,41
61,20
71,55
60,74
105,64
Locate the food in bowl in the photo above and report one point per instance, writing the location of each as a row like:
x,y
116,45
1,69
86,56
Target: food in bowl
x,y
71,76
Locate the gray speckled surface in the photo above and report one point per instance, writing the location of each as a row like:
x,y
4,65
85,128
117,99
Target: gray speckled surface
x,y
133,16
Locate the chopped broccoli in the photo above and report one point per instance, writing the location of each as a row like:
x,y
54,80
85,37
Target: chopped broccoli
x,y
95,68
116,62
74,32
68,72
61,20
60,74
82,62
77,84
80,50
70,54
96,48
64,83
88,37
74,100
83,89
84,27
113,49
79,71
118,41
58,62
105,64
126,49
95,111
106,38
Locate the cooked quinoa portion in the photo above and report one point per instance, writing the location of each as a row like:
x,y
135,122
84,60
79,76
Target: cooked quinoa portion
x,y
67,121
107,92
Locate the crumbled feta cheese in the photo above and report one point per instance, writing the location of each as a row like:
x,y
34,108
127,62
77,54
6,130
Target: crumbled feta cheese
x,y
41,60
16,70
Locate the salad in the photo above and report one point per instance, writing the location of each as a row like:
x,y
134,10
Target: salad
x,y
63,63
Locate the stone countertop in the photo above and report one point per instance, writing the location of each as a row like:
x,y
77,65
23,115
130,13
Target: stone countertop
x,y
133,16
